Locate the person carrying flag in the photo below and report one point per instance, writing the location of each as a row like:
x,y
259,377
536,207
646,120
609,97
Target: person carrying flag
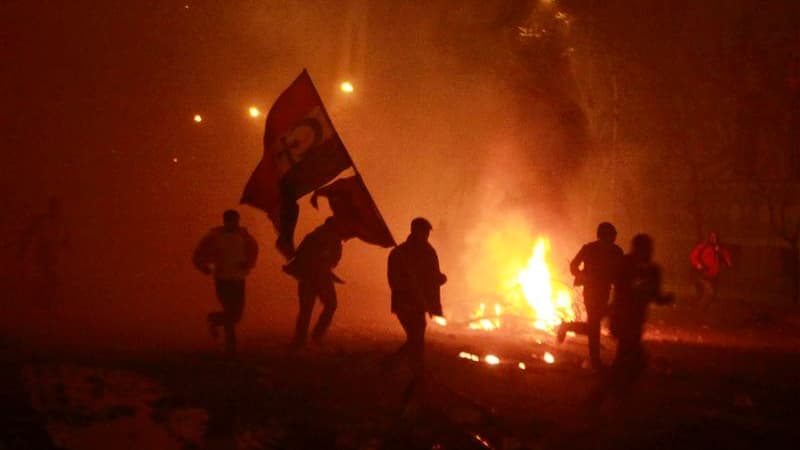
x,y
312,265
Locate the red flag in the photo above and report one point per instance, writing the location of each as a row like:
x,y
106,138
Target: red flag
x,y
355,211
302,152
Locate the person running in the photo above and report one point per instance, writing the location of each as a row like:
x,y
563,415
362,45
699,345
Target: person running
x,y
638,284
707,259
312,265
594,267
228,253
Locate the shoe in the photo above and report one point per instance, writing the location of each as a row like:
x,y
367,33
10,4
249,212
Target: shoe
x,y
561,333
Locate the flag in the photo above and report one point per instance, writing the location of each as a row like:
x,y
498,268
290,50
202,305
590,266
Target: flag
x,y
355,211
302,152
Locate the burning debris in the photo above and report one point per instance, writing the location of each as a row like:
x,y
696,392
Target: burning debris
x,y
530,294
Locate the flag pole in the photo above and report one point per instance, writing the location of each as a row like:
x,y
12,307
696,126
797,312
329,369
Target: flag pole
x,y
350,159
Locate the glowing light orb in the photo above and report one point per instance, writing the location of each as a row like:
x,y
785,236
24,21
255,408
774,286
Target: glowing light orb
x,y
198,118
254,112
439,320
175,160
522,366
548,358
347,87
492,360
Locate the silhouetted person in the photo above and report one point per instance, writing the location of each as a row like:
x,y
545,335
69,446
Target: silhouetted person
x,y
232,252
707,259
43,241
594,267
638,284
415,281
312,265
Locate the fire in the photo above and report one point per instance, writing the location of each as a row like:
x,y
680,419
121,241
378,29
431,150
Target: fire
x,y
530,292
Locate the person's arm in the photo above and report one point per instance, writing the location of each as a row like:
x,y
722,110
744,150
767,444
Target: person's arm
x,y
394,271
696,257
575,264
201,256
440,277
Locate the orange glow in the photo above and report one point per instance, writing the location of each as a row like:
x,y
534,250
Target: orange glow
x,y
529,290
254,112
347,87
198,118
522,366
439,320
548,358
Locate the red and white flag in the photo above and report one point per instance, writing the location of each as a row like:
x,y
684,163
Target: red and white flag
x,y
302,152
355,210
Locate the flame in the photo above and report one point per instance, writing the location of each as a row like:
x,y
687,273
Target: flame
x,y
530,292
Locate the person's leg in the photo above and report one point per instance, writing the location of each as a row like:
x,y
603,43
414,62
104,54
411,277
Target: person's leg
x,y
699,289
216,319
306,293
233,307
327,296
711,288
414,326
596,301
594,318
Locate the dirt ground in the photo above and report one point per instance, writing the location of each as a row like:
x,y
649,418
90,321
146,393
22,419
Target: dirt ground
x,y
730,384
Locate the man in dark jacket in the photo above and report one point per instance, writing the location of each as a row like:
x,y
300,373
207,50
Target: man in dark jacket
x,y
594,267
232,252
312,265
638,284
415,281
